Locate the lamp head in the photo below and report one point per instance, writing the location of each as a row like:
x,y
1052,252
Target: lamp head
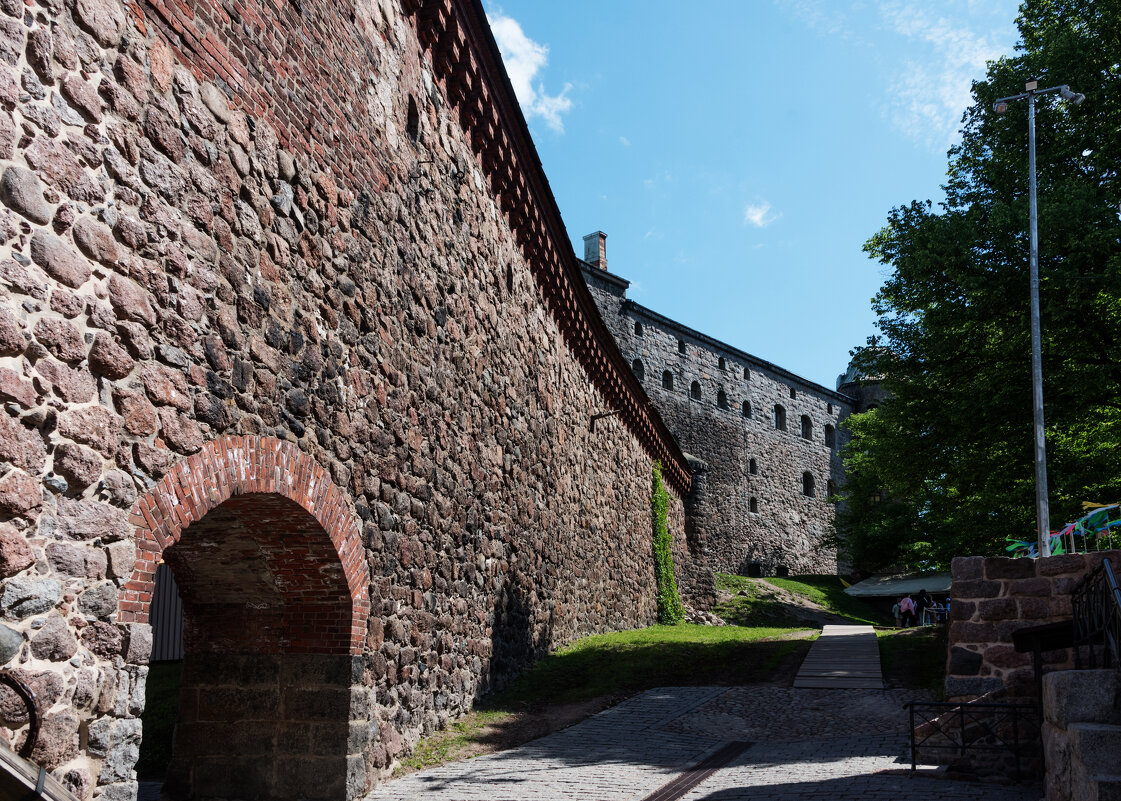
x,y
1073,97
1000,108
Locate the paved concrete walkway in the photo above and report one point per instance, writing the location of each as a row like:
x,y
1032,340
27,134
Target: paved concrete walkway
x,y
840,745
843,657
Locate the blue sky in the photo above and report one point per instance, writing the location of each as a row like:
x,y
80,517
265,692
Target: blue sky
x,y
739,154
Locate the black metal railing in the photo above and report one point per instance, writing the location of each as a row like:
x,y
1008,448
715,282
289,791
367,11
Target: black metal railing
x,y
27,695
1096,604
1008,731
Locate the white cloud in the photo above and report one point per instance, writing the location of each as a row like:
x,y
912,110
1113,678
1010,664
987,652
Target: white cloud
x,y
524,58
759,214
929,95
624,141
821,16
946,45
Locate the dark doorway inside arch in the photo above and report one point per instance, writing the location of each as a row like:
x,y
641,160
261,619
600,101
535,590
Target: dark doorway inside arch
x,y
264,701
161,689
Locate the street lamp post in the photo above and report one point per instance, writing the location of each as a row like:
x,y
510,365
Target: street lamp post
x,y
1042,506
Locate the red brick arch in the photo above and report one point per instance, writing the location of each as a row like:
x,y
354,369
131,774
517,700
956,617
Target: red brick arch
x,y
257,467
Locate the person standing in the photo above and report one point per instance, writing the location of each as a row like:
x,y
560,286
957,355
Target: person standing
x,y
897,612
907,607
923,603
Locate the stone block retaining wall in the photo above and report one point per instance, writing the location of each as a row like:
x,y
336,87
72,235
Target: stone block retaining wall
x,y
994,597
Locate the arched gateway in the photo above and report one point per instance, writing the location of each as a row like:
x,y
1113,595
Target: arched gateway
x,y
275,592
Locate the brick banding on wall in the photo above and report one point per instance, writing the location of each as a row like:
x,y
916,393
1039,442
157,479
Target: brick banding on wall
x,y
286,502
468,61
468,65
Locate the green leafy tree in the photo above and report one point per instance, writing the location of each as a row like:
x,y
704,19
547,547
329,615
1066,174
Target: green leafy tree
x,y
670,609
951,450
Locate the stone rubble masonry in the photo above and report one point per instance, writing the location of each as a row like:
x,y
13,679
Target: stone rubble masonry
x,y
787,527
245,292
992,597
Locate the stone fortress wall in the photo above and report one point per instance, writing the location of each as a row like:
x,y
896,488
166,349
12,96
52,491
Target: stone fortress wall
x,y
285,304
752,509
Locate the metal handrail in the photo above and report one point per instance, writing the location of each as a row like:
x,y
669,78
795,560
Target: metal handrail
x,y
27,695
1096,607
974,726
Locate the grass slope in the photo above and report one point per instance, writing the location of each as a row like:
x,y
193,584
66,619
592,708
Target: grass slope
x,y
768,602
626,662
829,593
914,658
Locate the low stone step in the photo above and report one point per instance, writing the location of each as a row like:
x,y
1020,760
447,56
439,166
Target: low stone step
x,y
1097,746
1082,696
1105,787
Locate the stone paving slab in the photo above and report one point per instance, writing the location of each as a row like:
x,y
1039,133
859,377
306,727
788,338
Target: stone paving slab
x,y
840,769
808,744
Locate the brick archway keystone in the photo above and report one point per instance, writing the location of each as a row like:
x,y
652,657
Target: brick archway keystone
x,y
231,466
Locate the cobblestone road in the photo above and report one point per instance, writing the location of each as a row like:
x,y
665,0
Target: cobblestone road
x,y
808,744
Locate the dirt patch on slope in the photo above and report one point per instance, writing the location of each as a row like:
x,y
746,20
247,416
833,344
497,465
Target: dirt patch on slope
x,y
760,603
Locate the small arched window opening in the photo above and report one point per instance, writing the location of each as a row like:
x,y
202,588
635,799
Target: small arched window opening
x,y
753,467
639,370
667,379
793,393
695,391
782,571
753,505
829,408
722,399
722,364
637,328
747,408
808,488
681,346
746,374
412,122
807,427
780,418
875,497
830,436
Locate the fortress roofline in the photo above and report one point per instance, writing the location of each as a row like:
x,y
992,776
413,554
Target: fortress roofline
x,y
466,59
602,274
732,350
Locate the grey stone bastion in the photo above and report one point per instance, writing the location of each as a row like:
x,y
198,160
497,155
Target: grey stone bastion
x,y
764,443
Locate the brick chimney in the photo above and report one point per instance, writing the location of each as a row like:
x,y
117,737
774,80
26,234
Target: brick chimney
x,y
595,249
